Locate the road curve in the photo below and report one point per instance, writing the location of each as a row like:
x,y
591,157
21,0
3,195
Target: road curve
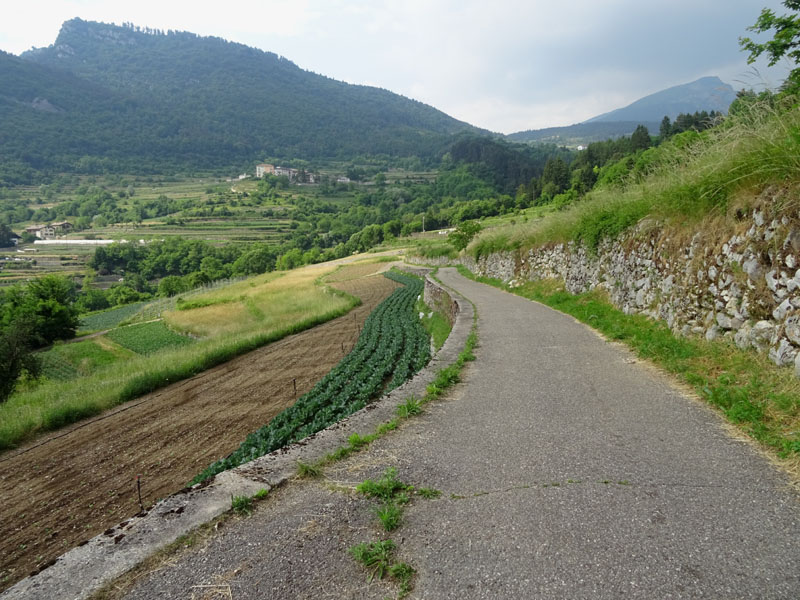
x,y
568,470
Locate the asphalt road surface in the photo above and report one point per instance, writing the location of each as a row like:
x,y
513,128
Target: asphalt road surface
x,y
567,470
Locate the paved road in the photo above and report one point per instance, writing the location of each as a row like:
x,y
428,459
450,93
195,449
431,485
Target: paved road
x,y
568,470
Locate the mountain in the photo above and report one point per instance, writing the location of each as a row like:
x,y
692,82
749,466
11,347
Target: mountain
x,y
705,94
125,98
582,133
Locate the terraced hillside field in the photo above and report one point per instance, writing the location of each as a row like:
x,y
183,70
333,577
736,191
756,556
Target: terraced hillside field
x,y
73,484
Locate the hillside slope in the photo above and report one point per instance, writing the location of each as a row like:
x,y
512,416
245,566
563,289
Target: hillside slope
x,y
707,93
196,102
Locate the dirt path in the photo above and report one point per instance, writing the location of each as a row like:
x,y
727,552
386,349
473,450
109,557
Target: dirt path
x,y
73,484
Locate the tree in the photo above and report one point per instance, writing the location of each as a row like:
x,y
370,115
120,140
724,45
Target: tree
x,y
49,304
16,356
6,236
666,128
640,139
556,172
786,41
462,236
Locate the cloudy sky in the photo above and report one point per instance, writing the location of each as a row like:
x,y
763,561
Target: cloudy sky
x,y
507,65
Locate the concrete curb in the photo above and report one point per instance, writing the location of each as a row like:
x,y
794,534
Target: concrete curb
x,y
81,571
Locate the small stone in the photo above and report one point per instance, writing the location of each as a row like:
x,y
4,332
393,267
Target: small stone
x,y
792,329
772,282
753,269
758,218
793,240
713,333
724,321
761,335
784,355
742,337
790,261
784,308
712,273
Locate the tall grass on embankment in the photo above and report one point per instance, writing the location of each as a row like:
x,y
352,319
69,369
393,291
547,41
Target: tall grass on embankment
x,y
55,404
691,177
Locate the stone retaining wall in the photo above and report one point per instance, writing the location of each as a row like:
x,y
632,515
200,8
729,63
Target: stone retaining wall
x,y
739,281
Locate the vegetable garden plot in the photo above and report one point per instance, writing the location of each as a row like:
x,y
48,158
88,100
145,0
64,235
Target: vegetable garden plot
x,y
146,338
392,346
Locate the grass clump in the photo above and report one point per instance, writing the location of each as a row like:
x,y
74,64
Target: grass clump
x,y
429,493
308,470
390,515
242,505
387,488
377,557
409,408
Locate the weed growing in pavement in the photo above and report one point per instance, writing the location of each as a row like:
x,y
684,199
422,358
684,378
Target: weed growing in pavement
x,y
428,493
377,558
410,407
308,470
242,505
390,515
404,573
387,488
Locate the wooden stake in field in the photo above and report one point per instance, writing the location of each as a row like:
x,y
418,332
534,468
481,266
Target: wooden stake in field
x,y
294,383
139,491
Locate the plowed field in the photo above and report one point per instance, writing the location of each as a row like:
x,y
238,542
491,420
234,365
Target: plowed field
x,y
73,484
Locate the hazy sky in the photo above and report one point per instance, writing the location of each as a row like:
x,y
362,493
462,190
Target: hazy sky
x,y
507,65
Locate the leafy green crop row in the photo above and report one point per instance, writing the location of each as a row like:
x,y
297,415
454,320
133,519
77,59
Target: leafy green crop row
x,y
392,346
109,319
146,338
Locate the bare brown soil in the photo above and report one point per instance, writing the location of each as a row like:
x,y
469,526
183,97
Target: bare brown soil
x,y
73,484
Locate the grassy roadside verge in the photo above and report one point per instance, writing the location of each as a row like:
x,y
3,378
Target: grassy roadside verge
x,y
758,397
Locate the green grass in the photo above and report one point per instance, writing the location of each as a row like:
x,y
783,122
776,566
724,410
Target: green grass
x,y
375,556
390,515
762,399
242,505
435,323
387,488
66,361
148,338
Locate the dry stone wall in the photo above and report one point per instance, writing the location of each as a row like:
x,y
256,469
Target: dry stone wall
x,y
739,281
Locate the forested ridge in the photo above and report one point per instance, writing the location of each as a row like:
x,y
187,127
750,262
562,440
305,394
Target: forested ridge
x,y
107,98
